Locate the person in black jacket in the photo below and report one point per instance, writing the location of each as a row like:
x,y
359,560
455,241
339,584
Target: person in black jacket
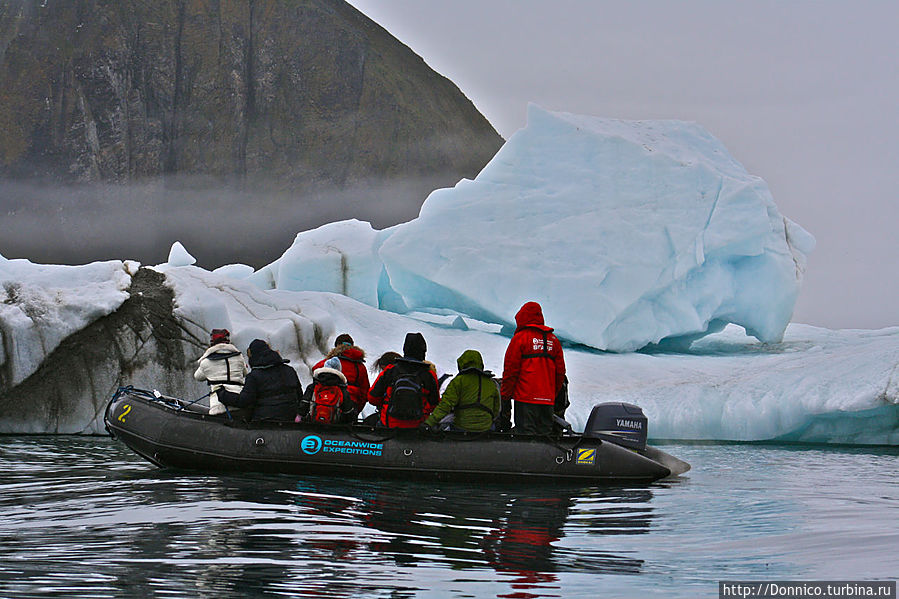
x,y
406,391
272,389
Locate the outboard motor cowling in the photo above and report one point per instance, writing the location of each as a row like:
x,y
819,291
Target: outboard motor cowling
x,y
617,422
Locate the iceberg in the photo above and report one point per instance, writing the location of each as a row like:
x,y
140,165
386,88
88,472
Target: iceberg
x,y
337,257
235,271
629,233
179,256
633,235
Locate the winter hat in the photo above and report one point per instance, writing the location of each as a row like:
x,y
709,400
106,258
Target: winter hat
x,y
220,336
415,346
257,347
343,338
333,363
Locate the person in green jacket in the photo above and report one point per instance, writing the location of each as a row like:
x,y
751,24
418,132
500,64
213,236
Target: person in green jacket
x,y
472,396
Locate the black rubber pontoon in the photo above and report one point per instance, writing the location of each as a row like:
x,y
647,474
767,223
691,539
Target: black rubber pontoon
x,y
166,432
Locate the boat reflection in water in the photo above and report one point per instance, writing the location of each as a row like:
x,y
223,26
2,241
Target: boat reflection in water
x,y
386,532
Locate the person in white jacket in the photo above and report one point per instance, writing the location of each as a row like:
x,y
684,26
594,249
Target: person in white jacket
x,y
223,367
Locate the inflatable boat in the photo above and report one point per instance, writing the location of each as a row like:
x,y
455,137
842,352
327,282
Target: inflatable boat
x,y
170,432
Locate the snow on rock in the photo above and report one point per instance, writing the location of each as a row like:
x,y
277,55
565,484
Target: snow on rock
x,y
178,256
205,300
42,304
627,232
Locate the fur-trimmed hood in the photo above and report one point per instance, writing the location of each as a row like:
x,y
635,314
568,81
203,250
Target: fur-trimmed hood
x,y
351,352
324,372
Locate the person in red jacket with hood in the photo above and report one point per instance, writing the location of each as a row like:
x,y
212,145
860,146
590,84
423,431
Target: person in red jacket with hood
x,y
352,365
533,372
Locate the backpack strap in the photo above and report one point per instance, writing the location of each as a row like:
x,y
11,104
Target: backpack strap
x,y
416,376
477,404
222,356
227,380
541,354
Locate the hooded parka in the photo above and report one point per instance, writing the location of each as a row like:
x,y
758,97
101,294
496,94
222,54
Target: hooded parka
x,y
223,367
272,388
352,364
533,368
472,395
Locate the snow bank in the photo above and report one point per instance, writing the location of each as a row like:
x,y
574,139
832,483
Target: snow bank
x,y
816,385
42,304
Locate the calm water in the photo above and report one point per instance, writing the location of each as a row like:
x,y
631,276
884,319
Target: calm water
x,y
83,517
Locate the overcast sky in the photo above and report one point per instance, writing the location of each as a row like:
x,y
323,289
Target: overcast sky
x,y
805,94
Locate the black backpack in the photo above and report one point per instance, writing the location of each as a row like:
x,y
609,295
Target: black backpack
x,y
407,398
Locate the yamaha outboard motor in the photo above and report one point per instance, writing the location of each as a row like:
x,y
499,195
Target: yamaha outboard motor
x,y
617,422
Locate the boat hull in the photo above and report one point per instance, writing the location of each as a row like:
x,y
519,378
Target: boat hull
x,y
172,437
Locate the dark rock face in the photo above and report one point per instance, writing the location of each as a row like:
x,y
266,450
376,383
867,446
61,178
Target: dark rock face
x,y
145,343
141,341
286,98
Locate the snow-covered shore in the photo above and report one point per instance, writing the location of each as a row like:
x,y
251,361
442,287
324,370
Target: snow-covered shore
x,y
817,385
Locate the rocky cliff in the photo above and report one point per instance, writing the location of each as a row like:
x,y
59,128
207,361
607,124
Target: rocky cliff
x,y
142,340
291,99
152,340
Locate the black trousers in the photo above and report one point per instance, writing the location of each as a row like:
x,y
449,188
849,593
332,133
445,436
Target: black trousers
x,y
533,419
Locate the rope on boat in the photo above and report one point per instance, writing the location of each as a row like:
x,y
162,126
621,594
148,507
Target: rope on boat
x,y
197,399
176,403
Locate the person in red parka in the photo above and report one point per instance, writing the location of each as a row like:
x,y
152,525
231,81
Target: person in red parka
x,y
352,365
533,372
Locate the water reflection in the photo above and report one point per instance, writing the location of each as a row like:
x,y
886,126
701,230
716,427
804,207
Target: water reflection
x,y
85,517
515,530
74,522
386,527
